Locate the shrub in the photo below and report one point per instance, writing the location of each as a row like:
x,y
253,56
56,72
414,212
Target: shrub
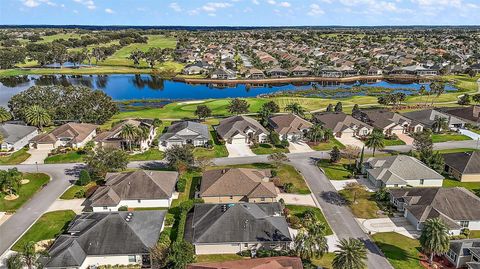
x,y
288,187
84,178
285,143
274,173
181,184
80,194
164,238
245,253
157,122
123,208
169,220
294,222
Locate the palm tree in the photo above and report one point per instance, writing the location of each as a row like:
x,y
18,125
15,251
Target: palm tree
x,y
315,133
30,257
327,135
439,124
37,116
129,133
440,89
4,115
422,91
296,109
375,140
14,261
143,133
434,239
311,242
351,255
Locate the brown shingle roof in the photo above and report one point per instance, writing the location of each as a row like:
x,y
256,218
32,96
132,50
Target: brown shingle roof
x,y
259,263
289,124
78,132
464,162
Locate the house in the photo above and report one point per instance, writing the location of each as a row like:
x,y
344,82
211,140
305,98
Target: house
x,y
280,262
343,125
276,72
373,71
196,68
185,132
389,122
427,118
231,228
223,74
457,207
113,139
241,130
233,185
74,135
470,114
464,253
140,188
300,71
289,126
464,166
16,136
107,238
400,171
254,73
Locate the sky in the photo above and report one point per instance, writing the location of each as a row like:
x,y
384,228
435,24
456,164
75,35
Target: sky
x,y
241,12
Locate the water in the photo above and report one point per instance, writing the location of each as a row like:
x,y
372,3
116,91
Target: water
x,y
138,87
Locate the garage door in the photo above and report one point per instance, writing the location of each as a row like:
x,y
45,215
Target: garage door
x,y
44,146
238,140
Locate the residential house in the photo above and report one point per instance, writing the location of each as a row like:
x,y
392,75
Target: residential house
x,y
464,166
16,136
427,118
400,171
457,207
389,122
74,135
276,72
196,68
223,74
140,188
231,228
254,73
113,238
470,114
374,71
241,130
185,132
300,71
464,253
289,126
343,125
113,138
233,185
280,262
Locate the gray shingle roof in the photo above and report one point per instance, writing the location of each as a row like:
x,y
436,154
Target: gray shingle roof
x,y
190,130
103,234
289,124
339,121
238,124
12,133
464,162
243,222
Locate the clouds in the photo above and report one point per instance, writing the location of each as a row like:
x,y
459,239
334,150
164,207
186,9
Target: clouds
x,y
36,3
88,3
315,10
280,4
175,6
109,11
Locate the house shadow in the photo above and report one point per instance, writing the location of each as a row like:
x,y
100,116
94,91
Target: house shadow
x,y
155,165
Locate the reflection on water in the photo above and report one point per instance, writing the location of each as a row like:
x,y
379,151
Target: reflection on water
x,y
140,87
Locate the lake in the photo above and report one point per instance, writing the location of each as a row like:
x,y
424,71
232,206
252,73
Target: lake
x,y
140,87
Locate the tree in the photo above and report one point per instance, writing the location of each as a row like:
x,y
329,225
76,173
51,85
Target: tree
x,y
159,255
129,133
376,140
422,91
330,108
238,106
10,181
37,116
296,109
355,109
31,258
101,161
351,254
354,188
4,115
181,254
433,160
311,242
136,56
264,115
351,152
464,100
439,124
360,162
179,156
203,112
278,158
153,55
476,98
440,89
434,239
315,133
271,106
335,154
422,141
84,177
339,107
11,56
15,261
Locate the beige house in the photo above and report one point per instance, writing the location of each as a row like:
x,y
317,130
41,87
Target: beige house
x,y
235,185
74,135
463,166
343,125
289,126
112,138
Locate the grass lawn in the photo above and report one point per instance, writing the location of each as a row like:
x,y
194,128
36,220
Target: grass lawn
x,y
286,173
263,149
394,142
474,234
219,150
401,251
324,262
70,192
151,154
15,158
69,157
328,145
48,226
335,171
219,258
436,138
299,211
444,151
37,180
472,186
365,206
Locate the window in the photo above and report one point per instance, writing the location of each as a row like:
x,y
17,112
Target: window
x,y
474,258
231,197
139,201
262,199
105,207
245,245
132,258
464,223
422,181
452,255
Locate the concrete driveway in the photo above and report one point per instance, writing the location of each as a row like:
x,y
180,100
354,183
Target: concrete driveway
x,y
472,135
299,147
37,156
239,150
395,224
405,138
350,140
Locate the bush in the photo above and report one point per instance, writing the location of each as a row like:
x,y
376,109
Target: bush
x,y
274,173
181,184
80,194
169,219
84,178
294,222
123,208
157,122
245,253
262,253
164,238
285,143
288,187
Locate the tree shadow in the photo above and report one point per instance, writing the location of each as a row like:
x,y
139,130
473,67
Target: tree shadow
x,y
155,165
334,198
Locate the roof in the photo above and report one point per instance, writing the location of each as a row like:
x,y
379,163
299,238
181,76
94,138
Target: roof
x,y
464,162
471,113
339,121
280,262
242,222
289,124
139,184
450,204
237,181
103,234
12,133
77,132
400,168
425,117
458,246
381,118
231,126
186,130
115,131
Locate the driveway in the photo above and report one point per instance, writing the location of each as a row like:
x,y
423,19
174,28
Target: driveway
x,y
72,204
299,147
472,135
396,224
239,150
297,199
37,156
350,140
405,138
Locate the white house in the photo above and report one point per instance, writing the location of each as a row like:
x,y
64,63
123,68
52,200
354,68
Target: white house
x,y
140,188
183,133
16,136
241,130
74,135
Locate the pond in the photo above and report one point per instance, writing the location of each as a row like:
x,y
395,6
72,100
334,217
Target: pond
x,y
142,87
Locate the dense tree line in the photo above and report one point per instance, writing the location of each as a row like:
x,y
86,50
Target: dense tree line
x,y
71,103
